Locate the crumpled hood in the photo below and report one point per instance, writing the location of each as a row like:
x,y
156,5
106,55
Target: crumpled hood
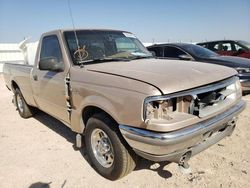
x,y
168,76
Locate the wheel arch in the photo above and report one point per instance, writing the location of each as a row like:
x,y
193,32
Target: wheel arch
x,y
91,110
14,85
89,107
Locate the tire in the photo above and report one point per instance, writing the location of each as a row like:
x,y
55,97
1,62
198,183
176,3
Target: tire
x,y
113,159
23,108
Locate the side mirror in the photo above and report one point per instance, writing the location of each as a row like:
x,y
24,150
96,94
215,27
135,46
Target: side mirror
x,y
51,64
185,57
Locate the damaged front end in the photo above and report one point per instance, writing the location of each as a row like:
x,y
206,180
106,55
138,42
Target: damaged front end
x,y
183,124
189,105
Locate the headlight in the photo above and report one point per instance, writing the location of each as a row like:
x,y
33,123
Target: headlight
x,y
163,107
243,70
234,90
158,109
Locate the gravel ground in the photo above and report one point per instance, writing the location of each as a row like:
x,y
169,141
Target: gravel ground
x,y
39,152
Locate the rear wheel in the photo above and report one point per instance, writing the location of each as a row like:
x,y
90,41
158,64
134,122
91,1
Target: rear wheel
x,y
108,152
23,108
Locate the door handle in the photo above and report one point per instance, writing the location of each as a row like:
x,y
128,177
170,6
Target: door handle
x,y
35,77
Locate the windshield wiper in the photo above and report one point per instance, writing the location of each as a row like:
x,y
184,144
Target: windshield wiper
x,y
100,60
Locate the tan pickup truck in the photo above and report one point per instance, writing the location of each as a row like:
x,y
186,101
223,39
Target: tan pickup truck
x,y
108,88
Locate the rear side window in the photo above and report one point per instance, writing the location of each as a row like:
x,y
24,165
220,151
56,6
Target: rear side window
x,y
51,48
173,52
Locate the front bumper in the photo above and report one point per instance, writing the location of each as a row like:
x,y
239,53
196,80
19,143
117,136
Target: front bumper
x,y
171,146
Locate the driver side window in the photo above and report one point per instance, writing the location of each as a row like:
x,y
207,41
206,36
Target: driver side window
x,y
173,52
238,47
51,48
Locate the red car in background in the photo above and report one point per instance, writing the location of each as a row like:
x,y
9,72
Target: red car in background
x,y
229,47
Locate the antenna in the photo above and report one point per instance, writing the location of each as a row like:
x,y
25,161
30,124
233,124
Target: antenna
x,y
72,20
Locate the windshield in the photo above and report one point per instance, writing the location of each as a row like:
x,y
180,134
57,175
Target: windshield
x,y
98,44
244,43
199,51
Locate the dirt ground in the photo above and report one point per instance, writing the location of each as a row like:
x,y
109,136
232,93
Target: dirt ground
x,y
39,152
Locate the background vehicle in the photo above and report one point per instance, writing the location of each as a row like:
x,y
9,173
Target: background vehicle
x,y
105,85
183,51
228,47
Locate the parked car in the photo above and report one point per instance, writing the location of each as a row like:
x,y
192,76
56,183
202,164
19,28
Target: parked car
x,y
105,86
228,47
184,51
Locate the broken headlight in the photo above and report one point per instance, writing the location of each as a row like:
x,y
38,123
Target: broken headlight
x,y
163,108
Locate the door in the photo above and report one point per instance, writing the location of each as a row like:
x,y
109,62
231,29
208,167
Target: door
x,y
49,85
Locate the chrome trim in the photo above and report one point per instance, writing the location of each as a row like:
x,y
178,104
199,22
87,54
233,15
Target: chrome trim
x,y
164,143
102,148
177,155
191,92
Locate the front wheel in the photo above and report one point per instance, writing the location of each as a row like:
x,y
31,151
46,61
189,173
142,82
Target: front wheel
x,y
23,108
106,148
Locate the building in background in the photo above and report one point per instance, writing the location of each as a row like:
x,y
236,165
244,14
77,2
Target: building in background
x,y
10,53
18,53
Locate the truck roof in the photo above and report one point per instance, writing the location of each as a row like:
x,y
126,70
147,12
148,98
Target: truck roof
x,y
82,29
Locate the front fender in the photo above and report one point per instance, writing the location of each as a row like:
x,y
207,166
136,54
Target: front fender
x,y
100,102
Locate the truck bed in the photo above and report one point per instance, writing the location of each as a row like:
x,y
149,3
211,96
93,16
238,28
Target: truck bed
x,y
20,75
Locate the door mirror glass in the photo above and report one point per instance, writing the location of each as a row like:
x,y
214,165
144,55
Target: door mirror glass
x,y
51,64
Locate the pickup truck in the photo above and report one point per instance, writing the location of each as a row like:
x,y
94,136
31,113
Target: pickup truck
x,y
123,103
